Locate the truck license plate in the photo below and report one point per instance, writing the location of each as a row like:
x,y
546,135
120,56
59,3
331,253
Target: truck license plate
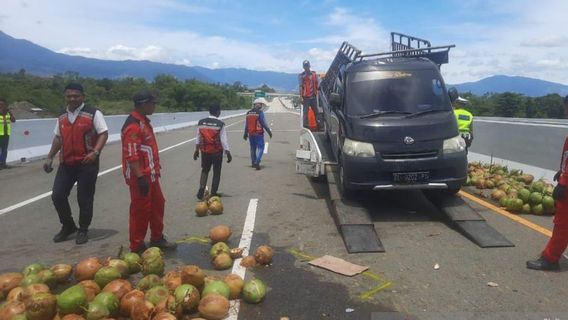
x,y
411,177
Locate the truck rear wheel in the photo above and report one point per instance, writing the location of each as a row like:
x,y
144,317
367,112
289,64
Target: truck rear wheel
x,y
346,192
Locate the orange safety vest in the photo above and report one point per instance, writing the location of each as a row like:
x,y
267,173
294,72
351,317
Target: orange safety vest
x,y
79,138
253,123
210,134
309,84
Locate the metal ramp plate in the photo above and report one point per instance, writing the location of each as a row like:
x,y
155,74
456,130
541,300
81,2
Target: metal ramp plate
x,y
360,238
457,209
482,234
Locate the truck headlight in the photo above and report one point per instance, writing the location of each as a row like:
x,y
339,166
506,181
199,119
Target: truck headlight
x,y
358,149
453,145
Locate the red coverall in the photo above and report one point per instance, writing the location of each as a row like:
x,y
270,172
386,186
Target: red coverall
x,y
139,144
559,240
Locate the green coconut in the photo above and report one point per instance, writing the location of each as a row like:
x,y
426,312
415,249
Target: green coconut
x,y
254,291
157,294
121,266
97,311
72,300
109,300
32,269
187,296
547,202
155,266
537,186
536,198
148,282
48,277
41,306
538,209
31,279
526,209
218,248
524,194
105,275
134,262
218,287
152,253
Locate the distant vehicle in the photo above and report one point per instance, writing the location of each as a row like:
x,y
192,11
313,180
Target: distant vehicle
x,y
389,121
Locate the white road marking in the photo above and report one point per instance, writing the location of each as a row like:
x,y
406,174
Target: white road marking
x,y
265,148
246,239
47,194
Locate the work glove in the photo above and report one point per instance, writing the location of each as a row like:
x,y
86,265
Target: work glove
x,y
557,176
245,136
270,134
48,165
143,186
558,192
229,156
196,155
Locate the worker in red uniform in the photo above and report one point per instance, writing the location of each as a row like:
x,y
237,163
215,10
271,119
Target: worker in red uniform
x,y
255,125
211,140
141,169
80,134
549,258
308,84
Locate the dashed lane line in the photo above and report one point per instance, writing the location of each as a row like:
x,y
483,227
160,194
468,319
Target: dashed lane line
x,y
47,194
246,239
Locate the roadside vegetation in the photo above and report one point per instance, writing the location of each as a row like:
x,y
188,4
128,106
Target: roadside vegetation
x,y
114,96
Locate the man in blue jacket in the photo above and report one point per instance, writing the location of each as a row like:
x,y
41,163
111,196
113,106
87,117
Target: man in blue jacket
x,y
255,125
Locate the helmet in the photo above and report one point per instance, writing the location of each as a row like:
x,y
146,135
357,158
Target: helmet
x,y
462,100
259,101
306,63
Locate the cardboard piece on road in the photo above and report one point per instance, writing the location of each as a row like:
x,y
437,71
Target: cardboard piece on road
x,y
338,265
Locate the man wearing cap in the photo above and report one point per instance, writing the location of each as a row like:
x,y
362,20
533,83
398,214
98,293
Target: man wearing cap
x,y
141,169
255,125
558,242
211,141
308,82
80,135
464,119
6,120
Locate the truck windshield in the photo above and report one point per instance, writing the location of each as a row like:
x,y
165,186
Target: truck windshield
x,y
395,93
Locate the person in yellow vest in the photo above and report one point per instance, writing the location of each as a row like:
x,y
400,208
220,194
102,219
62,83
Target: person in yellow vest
x,y
464,119
6,120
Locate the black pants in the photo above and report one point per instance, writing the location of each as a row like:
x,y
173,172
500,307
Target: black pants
x,y
208,160
86,178
4,149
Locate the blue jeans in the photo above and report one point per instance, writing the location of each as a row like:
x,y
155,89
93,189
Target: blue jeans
x,y
256,148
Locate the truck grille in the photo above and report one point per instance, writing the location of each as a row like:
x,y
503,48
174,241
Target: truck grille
x,y
410,155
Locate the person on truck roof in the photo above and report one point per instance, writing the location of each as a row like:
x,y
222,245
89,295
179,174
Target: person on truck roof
x,y
308,83
255,125
558,243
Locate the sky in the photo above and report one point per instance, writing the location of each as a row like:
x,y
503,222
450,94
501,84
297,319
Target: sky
x,y
513,37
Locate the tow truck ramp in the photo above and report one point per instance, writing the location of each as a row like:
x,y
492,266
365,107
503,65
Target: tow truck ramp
x,y
315,159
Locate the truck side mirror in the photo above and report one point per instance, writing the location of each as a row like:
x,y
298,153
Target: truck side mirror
x,y
453,94
335,100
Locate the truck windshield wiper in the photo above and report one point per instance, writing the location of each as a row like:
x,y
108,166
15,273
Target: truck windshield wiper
x,y
380,113
415,114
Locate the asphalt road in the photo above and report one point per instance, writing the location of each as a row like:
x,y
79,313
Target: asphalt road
x,y
292,216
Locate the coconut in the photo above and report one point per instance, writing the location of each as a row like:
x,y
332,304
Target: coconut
x,y
164,316
48,277
152,254
33,289
97,311
220,233
16,294
498,194
142,311
86,269
72,300
134,262
72,316
263,254
235,283
537,186
248,262
62,272
524,194
213,307
535,198
527,178
213,199
222,261
149,282
218,287
121,266
118,287
548,202
254,291
131,299
91,289
32,269
167,305
218,248
201,209
12,309
236,253
187,297
193,275
515,204
157,294
538,209
30,279
110,301
526,209
41,306
172,280
106,275
155,266
9,281
216,207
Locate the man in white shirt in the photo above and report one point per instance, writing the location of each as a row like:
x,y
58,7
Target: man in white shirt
x,y
80,135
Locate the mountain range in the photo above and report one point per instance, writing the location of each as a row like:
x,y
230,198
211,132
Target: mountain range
x,y
17,54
